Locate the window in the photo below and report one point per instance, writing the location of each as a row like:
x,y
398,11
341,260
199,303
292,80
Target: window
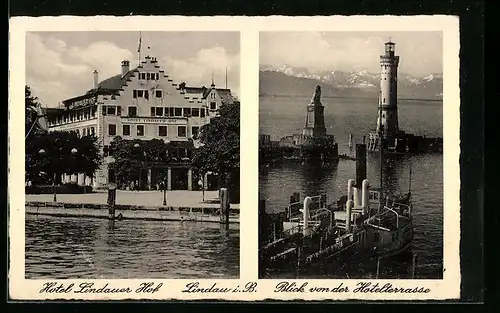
x,y
146,94
140,130
384,100
167,111
195,131
213,105
187,112
159,111
159,93
112,130
178,112
119,110
126,130
104,111
92,131
181,131
77,133
171,112
162,131
134,94
111,110
84,132
202,112
195,112
157,76
148,76
132,111
143,75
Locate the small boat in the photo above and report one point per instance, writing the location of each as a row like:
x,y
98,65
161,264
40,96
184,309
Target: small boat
x,y
365,223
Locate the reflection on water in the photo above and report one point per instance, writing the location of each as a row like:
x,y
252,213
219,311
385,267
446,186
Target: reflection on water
x,y
343,117
98,248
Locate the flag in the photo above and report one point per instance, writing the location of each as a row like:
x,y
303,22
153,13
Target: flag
x,y
41,120
140,42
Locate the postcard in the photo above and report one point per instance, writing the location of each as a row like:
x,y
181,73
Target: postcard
x,y
234,158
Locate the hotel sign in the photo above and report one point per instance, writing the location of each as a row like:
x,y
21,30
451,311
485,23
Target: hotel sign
x,y
152,120
83,102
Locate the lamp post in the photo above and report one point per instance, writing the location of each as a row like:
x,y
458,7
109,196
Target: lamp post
x,y
165,180
42,152
137,145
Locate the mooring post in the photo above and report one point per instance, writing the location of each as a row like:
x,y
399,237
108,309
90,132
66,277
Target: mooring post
x,y
224,206
414,267
378,267
298,256
111,202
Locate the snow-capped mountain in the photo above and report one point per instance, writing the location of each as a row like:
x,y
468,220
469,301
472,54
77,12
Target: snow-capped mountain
x,y
360,83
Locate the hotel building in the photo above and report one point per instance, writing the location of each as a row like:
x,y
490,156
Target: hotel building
x,y
141,103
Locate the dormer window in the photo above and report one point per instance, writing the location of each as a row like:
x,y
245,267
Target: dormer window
x,y
213,105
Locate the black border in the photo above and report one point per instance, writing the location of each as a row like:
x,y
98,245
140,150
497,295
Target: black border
x,y
471,15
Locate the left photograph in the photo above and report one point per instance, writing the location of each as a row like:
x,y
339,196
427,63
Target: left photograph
x,y
132,160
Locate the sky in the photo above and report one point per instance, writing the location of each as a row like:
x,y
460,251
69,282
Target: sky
x,y
421,53
59,65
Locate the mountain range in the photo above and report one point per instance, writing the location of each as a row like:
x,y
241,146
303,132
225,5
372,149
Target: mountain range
x,y
298,81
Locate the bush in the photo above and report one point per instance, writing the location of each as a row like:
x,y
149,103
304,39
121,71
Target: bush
x,y
70,188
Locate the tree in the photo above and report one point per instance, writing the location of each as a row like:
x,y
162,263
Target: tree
x,y
57,157
220,150
30,104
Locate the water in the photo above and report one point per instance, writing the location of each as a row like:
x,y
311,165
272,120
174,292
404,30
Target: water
x,y
281,116
74,248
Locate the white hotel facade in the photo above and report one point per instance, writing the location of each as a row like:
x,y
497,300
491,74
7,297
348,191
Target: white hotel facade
x,y
141,103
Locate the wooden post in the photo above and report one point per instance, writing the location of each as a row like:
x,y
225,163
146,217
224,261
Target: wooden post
x,y
378,267
414,266
298,256
111,202
224,206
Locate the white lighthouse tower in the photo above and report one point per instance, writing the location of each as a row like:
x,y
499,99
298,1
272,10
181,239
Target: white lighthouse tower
x,y
388,102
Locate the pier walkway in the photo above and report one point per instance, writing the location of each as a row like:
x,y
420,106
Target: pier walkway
x,y
177,198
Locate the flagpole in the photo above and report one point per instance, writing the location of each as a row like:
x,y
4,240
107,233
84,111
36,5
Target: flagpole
x,y
139,49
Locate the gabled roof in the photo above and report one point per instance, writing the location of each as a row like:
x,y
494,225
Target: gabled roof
x,y
197,90
114,83
224,94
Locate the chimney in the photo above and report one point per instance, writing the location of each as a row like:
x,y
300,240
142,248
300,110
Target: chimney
x,y
125,67
96,79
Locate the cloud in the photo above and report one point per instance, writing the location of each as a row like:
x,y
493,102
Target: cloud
x,y
420,52
57,70
198,70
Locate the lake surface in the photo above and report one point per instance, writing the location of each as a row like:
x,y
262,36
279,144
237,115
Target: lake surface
x,y
74,248
282,116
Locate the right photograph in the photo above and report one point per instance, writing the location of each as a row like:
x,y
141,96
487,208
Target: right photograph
x,y
351,155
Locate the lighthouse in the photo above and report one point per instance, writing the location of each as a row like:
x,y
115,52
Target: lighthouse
x,y
387,101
